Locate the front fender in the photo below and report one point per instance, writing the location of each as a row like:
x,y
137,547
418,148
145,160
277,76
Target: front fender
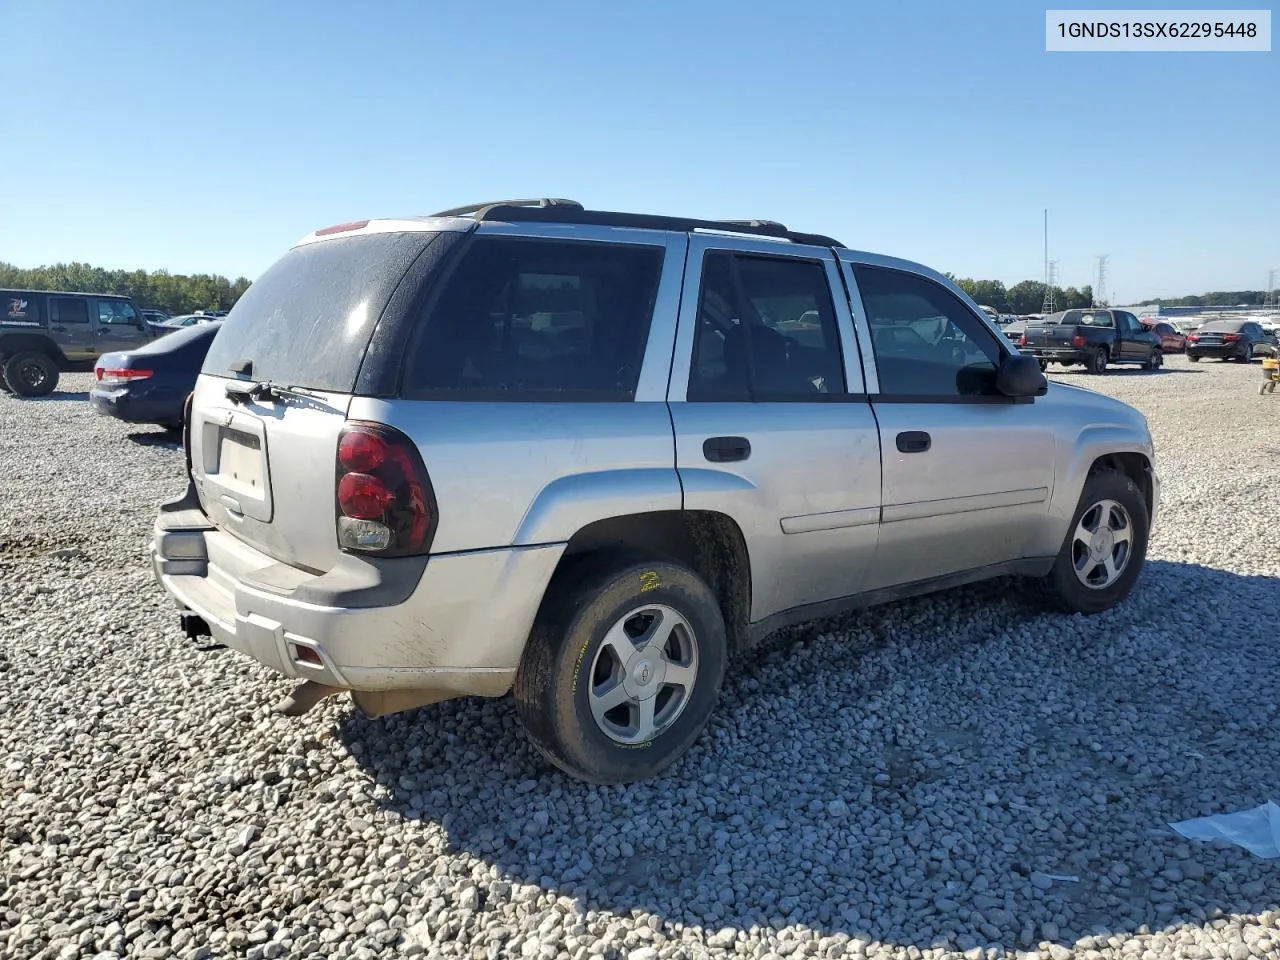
x,y
1090,444
570,503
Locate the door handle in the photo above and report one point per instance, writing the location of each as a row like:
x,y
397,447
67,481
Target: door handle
x,y
726,449
914,441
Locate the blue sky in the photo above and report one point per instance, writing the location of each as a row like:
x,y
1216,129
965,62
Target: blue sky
x,y
207,137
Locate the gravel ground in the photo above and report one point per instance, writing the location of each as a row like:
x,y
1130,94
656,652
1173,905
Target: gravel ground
x,y
904,783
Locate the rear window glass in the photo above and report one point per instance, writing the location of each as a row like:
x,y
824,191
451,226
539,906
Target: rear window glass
x,y
1222,326
307,321
538,319
1088,318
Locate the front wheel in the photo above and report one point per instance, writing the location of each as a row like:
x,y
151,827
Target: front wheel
x,y
1155,361
622,670
1105,546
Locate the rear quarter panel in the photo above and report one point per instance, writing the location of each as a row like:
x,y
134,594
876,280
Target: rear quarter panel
x,y
527,473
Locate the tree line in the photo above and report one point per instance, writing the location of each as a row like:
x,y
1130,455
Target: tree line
x,y
1025,297
1028,296
174,293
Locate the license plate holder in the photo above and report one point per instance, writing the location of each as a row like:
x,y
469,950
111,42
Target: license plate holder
x,y
240,463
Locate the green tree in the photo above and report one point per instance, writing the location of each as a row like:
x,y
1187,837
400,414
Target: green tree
x,y
160,290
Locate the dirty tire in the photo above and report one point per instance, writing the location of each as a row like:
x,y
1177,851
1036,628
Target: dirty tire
x,y
31,374
1062,589
4,384
555,675
1097,361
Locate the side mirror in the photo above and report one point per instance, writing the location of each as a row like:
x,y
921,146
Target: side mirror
x,y
1021,376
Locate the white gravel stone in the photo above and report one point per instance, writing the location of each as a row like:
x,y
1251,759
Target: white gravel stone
x,y
897,784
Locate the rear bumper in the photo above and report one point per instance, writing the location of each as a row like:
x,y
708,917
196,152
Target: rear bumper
x,y
1058,354
1216,351
460,630
156,406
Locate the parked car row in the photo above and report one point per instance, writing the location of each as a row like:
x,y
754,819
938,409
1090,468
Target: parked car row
x,y
1097,338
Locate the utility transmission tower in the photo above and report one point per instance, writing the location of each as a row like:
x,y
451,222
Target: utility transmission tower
x,y
1051,279
1100,291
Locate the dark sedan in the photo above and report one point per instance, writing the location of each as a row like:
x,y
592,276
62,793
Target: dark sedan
x,y
150,384
1226,340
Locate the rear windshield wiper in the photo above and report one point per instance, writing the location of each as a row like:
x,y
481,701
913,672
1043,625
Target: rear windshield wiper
x,y
260,390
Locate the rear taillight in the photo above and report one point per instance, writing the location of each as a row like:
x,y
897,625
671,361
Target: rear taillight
x,y
1078,341
385,504
1193,337
110,376
1022,340
1231,337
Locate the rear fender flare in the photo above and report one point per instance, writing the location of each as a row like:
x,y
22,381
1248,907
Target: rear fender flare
x,y
569,503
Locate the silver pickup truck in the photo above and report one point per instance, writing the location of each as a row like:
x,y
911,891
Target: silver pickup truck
x,y
588,457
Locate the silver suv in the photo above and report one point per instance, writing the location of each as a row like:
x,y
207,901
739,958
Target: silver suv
x,y
588,457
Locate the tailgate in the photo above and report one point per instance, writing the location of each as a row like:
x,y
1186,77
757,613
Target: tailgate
x,y
1050,335
265,471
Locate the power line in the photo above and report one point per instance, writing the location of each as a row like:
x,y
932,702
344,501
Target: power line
x,y
1051,281
1100,291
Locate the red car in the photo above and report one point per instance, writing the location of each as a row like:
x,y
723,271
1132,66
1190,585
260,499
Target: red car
x,y
1171,341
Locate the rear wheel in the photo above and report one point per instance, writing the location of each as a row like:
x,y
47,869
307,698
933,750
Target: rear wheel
x,y
31,374
622,669
1105,546
1246,357
4,384
1097,361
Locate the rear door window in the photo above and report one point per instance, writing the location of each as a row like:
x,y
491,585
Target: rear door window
x,y
68,310
534,319
766,331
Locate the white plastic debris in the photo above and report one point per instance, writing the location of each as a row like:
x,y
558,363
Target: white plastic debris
x,y
1257,830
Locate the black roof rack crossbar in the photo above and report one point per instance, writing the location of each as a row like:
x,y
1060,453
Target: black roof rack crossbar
x,y
573,213
539,202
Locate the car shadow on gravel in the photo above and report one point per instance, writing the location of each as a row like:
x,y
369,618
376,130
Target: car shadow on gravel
x,y
1119,372
157,438
58,395
1000,777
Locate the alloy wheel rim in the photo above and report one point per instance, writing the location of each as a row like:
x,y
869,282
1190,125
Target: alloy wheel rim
x,y
1102,544
32,374
643,675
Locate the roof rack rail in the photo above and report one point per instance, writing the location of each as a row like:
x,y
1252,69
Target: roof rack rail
x,y
539,202
567,211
